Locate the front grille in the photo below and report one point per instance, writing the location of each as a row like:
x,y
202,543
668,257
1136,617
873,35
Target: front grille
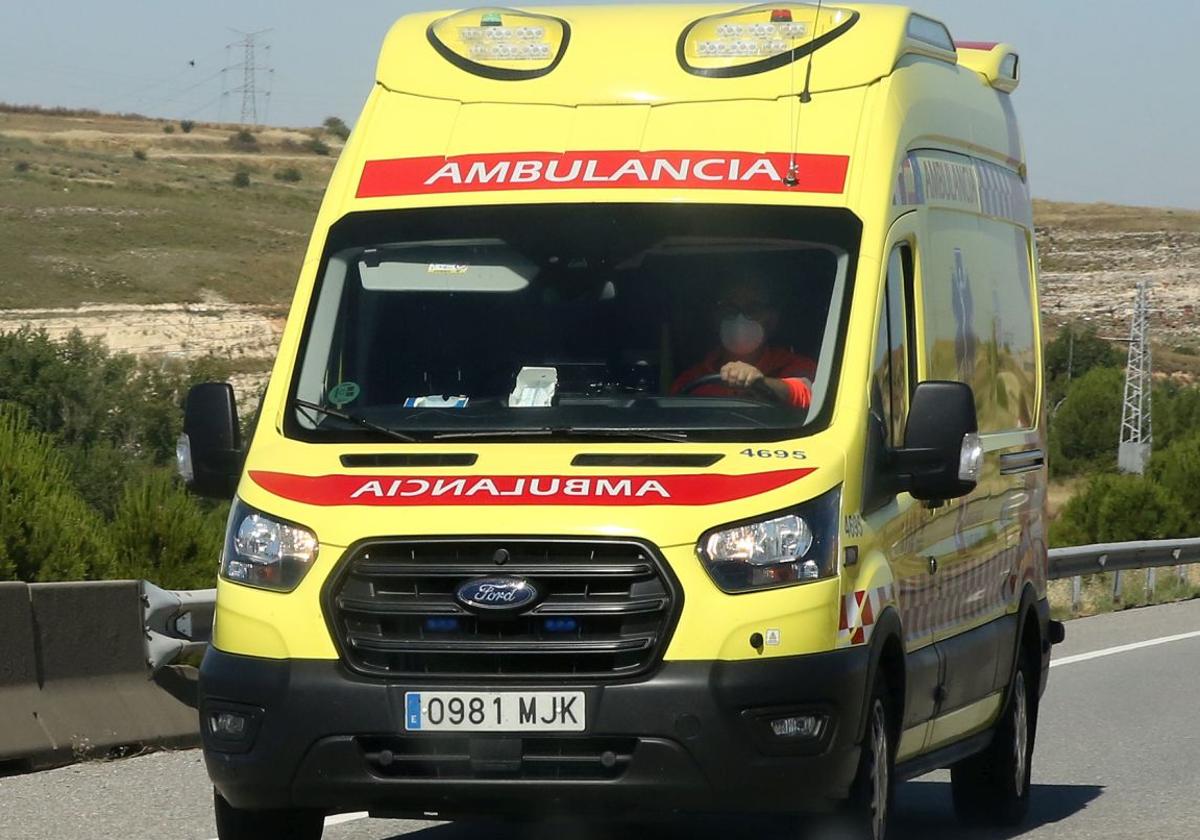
x,y
454,757
605,611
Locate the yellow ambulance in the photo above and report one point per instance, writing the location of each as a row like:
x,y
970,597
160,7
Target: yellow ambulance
x,y
658,428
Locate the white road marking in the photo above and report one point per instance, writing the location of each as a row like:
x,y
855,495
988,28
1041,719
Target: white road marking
x,y
1096,654
339,819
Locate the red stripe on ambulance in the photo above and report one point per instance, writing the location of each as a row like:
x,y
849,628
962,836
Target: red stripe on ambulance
x,y
410,490
601,170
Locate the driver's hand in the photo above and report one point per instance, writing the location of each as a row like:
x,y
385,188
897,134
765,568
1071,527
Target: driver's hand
x,y
741,375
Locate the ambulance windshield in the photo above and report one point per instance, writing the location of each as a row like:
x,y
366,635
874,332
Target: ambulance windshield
x,y
549,320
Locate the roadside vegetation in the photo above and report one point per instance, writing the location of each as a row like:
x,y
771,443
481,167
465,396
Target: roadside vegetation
x,y
87,485
1085,391
98,209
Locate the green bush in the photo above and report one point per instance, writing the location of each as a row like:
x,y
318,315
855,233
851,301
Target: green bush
x,y
243,141
86,437
1177,469
1176,413
317,146
1086,428
291,175
337,127
160,533
1073,353
47,531
89,398
168,129
139,154
187,126
21,166
241,178
1117,508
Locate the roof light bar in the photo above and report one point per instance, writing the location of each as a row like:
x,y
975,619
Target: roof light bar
x,y
759,38
503,44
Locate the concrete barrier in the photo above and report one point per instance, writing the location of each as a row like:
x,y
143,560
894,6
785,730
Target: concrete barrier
x,y
21,732
72,660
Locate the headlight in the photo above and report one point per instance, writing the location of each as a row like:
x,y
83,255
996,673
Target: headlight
x,y
264,552
791,547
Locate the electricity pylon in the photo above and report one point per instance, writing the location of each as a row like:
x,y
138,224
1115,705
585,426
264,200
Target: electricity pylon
x,y
249,67
1137,431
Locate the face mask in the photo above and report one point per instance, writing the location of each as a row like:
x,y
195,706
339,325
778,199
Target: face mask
x,y
741,335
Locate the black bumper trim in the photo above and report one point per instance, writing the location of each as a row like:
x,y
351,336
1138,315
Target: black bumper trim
x,y
700,743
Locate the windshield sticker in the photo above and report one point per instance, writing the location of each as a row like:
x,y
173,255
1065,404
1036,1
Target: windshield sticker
x,y
409,490
448,268
344,393
707,170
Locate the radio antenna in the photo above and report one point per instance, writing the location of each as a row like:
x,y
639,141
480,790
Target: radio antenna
x,y
793,173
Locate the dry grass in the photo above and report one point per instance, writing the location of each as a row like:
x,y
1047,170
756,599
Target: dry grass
x,y
84,220
1113,218
1097,592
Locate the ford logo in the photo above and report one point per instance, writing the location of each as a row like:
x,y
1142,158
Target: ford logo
x,y
496,593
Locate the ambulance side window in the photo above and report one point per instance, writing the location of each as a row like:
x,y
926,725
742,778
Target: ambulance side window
x,y
891,377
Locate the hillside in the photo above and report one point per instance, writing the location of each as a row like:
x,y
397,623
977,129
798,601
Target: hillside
x,y
117,227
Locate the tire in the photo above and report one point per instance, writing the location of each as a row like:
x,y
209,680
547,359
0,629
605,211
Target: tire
x,y
992,788
237,824
867,813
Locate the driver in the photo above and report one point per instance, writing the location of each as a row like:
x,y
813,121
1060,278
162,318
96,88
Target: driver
x,y
747,319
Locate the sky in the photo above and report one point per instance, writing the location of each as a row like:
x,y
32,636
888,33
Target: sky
x,y
1107,101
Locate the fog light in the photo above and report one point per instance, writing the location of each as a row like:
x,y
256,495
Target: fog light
x,y
798,726
228,725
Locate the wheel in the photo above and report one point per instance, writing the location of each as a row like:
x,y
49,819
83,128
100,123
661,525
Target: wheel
x,y
237,824
993,786
867,812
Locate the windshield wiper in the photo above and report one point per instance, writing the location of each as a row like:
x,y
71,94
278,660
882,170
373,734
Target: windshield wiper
x,y
632,434
355,419
493,433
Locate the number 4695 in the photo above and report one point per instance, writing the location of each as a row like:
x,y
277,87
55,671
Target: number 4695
x,y
794,454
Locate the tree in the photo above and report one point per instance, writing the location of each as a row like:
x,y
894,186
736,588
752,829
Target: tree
x,y
1073,353
1177,469
1117,508
160,533
111,414
1176,413
1086,428
47,531
337,127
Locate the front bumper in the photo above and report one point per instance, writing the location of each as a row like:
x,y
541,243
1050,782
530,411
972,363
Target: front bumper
x,y
695,731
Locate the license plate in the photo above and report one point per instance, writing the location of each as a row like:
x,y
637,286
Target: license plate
x,y
494,711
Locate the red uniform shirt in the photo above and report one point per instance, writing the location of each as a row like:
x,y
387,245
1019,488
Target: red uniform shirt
x,y
797,372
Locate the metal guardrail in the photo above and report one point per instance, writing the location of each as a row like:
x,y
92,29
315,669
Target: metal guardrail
x,y
1078,560
176,623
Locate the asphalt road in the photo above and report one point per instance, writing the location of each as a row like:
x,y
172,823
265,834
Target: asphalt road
x,y
1118,756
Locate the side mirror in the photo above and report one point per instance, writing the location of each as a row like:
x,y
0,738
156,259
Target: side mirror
x,y
942,454
208,454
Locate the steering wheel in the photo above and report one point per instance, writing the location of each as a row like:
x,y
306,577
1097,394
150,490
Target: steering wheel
x,y
759,388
